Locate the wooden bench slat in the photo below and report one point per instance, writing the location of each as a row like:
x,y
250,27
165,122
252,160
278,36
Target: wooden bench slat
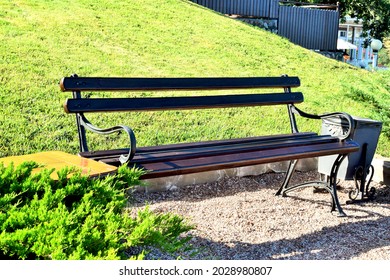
x,y
89,105
209,143
98,155
150,84
186,166
142,158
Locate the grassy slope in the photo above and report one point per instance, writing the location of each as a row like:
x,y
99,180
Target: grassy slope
x,y
43,41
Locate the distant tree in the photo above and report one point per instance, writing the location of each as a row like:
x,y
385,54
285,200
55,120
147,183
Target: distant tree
x,y
375,14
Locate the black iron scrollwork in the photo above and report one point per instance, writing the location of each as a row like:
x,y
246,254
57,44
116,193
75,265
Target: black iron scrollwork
x,y
342,134
132,147
362,191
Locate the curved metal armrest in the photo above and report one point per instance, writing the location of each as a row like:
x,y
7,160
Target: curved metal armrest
x,y
351,126
123,158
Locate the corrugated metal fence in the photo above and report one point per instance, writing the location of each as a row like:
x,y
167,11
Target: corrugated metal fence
x,y
309,28
255,8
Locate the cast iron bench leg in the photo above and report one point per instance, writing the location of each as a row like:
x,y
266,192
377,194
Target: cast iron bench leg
x,y
330,186
284,188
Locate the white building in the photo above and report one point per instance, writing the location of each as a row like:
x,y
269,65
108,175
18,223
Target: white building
x,y
351,40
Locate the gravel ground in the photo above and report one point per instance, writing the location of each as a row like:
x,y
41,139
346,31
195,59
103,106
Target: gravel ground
x,y
241,219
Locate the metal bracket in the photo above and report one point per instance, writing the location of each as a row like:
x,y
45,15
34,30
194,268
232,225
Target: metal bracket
x,y
132,140
80,128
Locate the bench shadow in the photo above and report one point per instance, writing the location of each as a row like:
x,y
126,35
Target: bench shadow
x,y
329,243
341,242
381,199
234,185
224,187
368,229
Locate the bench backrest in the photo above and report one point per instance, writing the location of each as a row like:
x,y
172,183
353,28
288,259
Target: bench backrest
x,y
151,84
89,105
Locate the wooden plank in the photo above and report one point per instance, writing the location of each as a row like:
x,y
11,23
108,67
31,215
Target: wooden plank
x,y
59,160
143,158
179,167
190,145
89,105
211,143
151,84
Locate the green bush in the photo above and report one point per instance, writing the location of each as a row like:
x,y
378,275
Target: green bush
x,y
75,217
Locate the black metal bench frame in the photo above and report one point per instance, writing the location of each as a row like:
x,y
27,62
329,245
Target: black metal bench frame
x,y
185,158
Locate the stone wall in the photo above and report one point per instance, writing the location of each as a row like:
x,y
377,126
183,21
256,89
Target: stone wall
x,y
335,55
267,24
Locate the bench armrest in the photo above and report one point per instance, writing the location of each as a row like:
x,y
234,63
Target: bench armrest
x,y
343,136
132,147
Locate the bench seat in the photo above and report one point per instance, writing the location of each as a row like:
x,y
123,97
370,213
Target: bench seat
x,y
185,158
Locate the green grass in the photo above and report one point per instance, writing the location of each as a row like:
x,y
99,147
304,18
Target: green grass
x,y
42,41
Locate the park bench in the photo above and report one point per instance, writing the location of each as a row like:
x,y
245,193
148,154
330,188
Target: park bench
x,y
185,158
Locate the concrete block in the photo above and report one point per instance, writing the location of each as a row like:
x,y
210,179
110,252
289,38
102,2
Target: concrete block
x,y
306,164
173,182
381,174
381,170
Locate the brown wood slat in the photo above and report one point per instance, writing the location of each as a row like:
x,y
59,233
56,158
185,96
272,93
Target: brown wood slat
x,y
98,155
158,84
178,167
181,154
137,104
